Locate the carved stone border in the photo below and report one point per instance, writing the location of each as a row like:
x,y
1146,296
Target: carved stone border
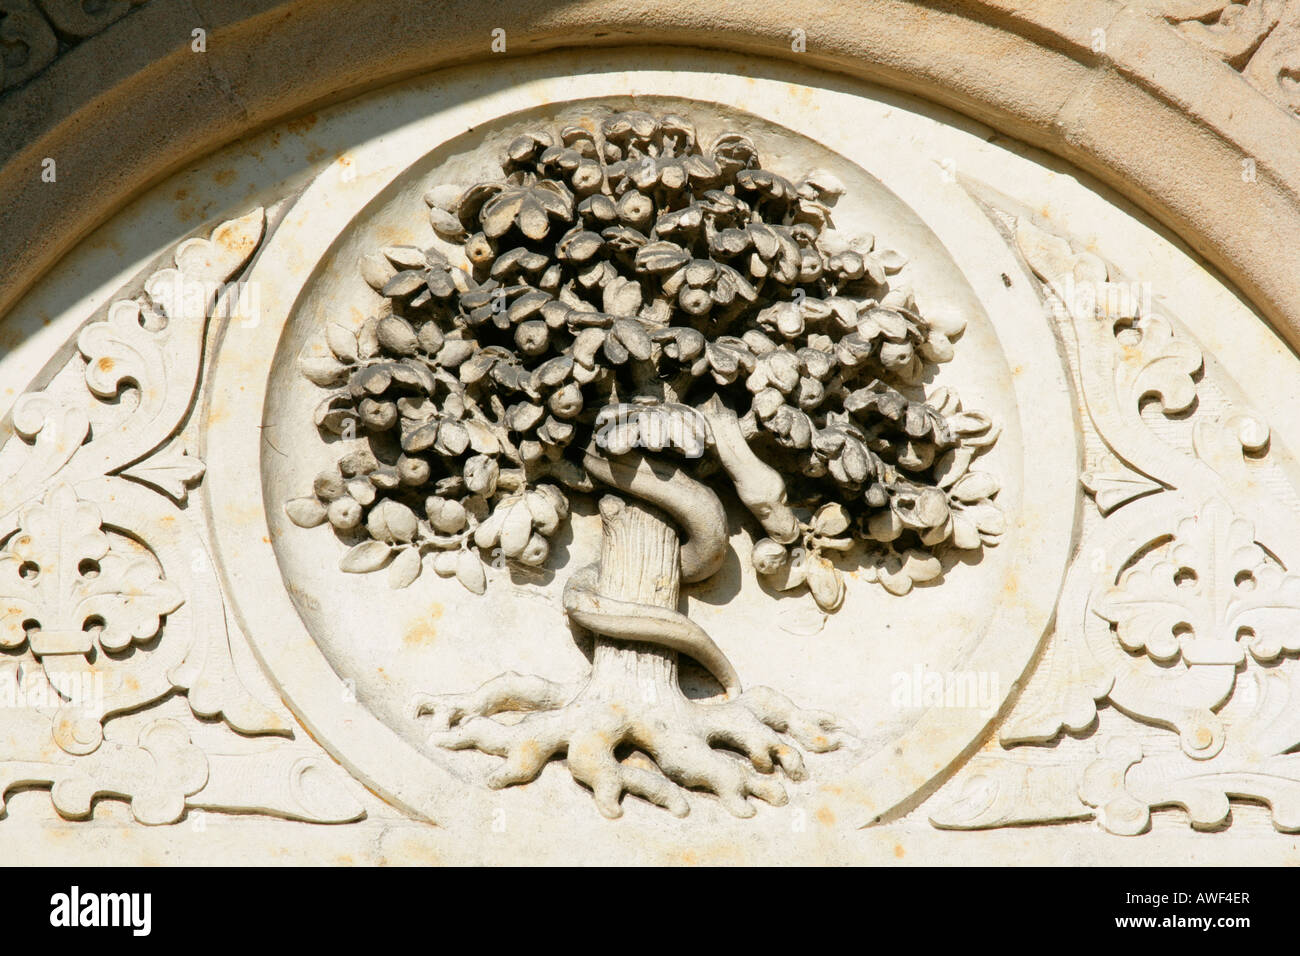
x,y
1032,71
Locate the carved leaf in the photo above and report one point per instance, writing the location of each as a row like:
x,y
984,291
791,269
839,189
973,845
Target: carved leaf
x,y
997,791
470,573
1049,256
130,597
1112,485
1267,611
367,556
826,584
404,569
169,473
119,350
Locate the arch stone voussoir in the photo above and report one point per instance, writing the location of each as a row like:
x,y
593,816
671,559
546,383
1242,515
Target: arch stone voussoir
x,y
1162,121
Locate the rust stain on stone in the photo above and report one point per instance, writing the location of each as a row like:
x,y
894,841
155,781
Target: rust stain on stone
x,y
302,124
424,632
237,241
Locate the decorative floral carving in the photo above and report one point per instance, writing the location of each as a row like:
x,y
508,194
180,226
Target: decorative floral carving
x,y
1127,780
62,580
1168,591
31,31
1259,38
79,595
1112,485
29,43
155,776
1210,587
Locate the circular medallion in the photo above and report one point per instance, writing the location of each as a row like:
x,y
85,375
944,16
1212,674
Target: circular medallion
x,y
741,613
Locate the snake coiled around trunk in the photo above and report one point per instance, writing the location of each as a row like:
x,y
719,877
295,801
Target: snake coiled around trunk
x,y
700,516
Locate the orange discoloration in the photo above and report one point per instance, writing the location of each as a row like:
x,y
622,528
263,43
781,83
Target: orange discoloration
x,y
224,177
899,853
237,241
425,631
302,124
824,816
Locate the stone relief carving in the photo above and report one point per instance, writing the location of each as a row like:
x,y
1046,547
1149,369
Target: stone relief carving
x,y
624,309
34,32
1258,38
1179,610
109,601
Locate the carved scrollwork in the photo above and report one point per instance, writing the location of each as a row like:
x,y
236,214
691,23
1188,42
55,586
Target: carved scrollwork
x,y
31,31
1259,38
28,42
109,598
1187,569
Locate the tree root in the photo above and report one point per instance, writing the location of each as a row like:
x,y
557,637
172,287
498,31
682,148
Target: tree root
x,y
670,745
504,693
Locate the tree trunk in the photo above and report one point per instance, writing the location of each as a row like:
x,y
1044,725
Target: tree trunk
x,y
639,562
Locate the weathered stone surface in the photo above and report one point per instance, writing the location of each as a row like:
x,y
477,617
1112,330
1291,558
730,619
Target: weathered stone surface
x,y
509,455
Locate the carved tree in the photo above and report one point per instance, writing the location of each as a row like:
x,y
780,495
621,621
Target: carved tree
x,y
625,310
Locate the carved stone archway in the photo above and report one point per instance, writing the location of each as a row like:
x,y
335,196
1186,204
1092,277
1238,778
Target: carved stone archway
x,y
1105,192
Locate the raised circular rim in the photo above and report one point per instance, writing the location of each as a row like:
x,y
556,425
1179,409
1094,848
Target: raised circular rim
x,y
895,778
